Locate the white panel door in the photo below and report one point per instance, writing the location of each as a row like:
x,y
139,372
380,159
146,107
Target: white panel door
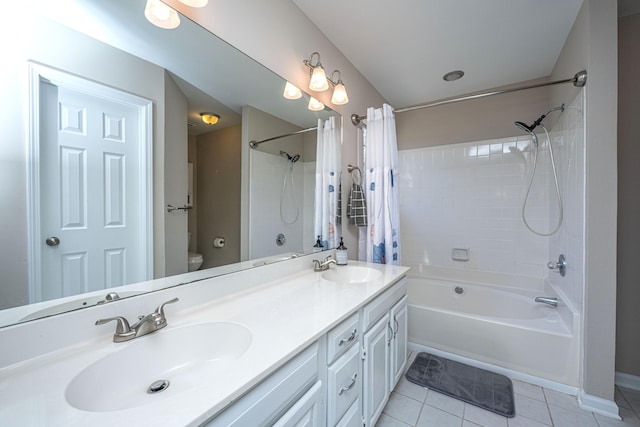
x,y
89,187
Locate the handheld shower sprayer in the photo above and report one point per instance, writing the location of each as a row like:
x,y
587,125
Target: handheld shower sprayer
x,y
291,158
529,129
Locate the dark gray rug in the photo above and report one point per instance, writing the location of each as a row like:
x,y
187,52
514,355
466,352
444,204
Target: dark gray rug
x,y
479,387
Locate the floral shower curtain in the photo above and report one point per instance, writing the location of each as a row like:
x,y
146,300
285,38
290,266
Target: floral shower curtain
x,y
381,187
328,170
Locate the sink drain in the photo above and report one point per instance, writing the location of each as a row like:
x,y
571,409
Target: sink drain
x,y
158,386
459,290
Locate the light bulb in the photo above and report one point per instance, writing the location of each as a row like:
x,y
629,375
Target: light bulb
x,y
318,81
291,91
161,15
315,105
339,96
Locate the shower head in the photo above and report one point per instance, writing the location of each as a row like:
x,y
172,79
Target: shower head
x,y
528,130
291,158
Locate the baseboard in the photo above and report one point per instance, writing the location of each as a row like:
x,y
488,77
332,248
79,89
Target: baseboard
x,y
514,375
601,406
628,380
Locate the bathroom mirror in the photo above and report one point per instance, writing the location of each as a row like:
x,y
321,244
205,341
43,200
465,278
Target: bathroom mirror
x,y
191,178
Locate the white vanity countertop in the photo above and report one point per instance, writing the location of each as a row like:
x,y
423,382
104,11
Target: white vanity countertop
x,y
284,317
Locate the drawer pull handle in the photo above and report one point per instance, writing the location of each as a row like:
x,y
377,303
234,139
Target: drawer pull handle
x,y
351,338
350,386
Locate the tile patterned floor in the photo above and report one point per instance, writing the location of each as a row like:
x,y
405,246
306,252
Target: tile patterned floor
x,y
415,406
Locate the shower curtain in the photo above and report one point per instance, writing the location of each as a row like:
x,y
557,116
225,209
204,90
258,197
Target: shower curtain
x,y
328,169
381,188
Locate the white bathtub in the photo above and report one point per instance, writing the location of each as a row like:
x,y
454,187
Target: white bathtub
x,y
499,324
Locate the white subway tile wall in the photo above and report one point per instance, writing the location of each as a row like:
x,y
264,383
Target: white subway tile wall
x,y
266,174
470,195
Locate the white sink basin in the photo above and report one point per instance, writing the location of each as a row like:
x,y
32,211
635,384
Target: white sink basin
x,y
351,274
186,357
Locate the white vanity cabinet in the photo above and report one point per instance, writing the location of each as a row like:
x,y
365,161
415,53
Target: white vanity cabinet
x,y
384,348
292,396
343,372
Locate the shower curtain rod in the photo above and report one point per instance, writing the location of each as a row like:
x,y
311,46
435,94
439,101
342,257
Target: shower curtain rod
x,y
578,80
254,144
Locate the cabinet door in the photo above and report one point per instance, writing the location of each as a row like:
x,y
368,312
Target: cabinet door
x,y
307,412
398,321
375,381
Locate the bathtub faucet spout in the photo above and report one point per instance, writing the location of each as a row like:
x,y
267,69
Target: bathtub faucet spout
x,y
552,301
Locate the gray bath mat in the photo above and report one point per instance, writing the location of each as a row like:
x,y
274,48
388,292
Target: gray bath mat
x,y
479,387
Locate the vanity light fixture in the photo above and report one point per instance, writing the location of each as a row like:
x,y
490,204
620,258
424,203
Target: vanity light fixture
x,y
291,91
315,105
339,96
320,82
195,3
161,15
210,118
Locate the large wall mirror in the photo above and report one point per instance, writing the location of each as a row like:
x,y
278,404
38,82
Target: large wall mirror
x,y
111,179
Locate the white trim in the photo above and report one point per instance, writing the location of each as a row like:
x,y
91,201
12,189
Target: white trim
x,y
514,375
37,73
628,380
601,406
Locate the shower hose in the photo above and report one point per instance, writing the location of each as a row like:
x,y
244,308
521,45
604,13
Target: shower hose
x,y
292,192
555,178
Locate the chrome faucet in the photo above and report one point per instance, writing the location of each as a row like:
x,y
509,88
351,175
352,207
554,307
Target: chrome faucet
x,y
552,301
324,265
145,324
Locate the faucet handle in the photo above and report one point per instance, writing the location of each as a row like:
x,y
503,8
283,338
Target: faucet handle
x,y
160,309
123,330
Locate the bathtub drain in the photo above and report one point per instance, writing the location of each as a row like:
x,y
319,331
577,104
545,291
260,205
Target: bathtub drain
x,y
459,290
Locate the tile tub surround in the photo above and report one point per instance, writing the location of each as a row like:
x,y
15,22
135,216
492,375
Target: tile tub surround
x,y
470,195
286,296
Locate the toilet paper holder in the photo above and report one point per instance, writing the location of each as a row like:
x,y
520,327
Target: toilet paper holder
x,y
218,242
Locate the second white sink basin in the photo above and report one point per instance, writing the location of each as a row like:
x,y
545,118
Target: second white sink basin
x,y
185,357
351,274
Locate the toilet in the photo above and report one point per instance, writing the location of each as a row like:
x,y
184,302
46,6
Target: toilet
x,y
194,259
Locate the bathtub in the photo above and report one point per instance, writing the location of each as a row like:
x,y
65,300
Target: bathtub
x,y
495,320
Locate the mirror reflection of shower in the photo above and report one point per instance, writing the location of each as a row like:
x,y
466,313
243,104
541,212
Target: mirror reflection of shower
x,y
288,177
530,130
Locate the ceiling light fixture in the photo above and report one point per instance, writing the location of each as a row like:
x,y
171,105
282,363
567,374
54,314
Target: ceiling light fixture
x,y
195,3
161,15
452,76
315,105
210,118
291,91
320,82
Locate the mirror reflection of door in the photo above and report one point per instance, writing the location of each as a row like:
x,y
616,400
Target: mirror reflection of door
x,y
90,204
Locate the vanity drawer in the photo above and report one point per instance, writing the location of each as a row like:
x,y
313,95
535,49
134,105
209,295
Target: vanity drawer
x,y
340,338
352,418
381,305
343,382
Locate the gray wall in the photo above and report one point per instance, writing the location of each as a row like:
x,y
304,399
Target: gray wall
x,y
628,312
217,195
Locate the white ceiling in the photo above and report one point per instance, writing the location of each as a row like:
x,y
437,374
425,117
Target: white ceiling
x,y
404,47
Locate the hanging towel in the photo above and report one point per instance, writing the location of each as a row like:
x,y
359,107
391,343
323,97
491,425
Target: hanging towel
x,y
357,205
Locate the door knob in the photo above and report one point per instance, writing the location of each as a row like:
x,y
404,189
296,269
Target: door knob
x,y
52,241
